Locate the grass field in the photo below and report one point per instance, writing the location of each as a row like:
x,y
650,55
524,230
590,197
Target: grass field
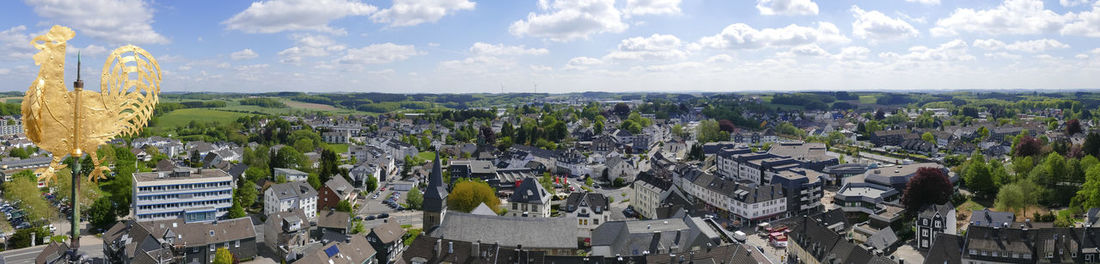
x,y
181,117
339,148
426,155
867,99
311,106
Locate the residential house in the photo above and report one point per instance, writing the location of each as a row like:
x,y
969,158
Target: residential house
x,y
176,241
287,234
291,196
530,199
335,190
933,221
291,175
590,209
355,250
386,240
659,236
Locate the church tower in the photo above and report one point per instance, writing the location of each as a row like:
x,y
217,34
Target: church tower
x,y
435,197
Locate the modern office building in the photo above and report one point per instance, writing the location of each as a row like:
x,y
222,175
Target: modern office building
x,y
196,195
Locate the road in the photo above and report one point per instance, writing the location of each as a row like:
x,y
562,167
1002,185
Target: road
x,y
90,246
369,207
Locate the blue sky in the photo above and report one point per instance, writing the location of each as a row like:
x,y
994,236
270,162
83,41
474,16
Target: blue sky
x,y
459,46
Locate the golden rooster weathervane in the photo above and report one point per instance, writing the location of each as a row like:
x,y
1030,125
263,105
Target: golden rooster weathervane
x,y
77,121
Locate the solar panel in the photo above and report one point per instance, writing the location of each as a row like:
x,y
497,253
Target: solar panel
x,y
332,251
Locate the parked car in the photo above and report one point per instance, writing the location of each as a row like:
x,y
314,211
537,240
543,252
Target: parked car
x,y
370,218
383,215
629,212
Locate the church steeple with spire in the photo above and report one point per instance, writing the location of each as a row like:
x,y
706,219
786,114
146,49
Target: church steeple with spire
x,y
435,197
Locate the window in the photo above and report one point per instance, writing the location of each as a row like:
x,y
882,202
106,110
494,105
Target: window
x,y
211,247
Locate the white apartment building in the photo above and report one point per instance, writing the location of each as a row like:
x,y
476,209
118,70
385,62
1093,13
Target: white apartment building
x,y
291,195
748,202
196,195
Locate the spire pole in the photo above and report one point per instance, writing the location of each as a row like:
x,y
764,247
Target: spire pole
x,y
78,87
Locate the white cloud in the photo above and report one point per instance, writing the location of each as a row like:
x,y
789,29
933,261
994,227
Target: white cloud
x,y
582,63
955,50
720,58
4,71
654,47
568,20
809,50
651,7
414,12
674,67
742,36
875,25
114,21
1030,46
307,45
541,68
296,15
1020,17
1087,23
853,53
486,49
243,54
926,2
1072,3
786,7
15,43
379,54
86,50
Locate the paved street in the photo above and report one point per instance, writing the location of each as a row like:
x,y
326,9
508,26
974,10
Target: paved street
x,y
777,255
90,246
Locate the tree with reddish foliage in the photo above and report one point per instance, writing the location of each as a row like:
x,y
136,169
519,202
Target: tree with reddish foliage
x,y
621,109
929,186
1028,146
1073,127
726,125
488,135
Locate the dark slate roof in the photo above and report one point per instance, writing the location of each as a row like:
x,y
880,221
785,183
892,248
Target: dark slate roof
x,y
825,245
730,254
435,196
943,210
947,249
988,218
456,251
585,199
883,239
531,192
534,232
388,232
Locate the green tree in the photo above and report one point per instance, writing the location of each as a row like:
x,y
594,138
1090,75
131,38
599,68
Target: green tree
x,y
1089,194
978,177
343,206
547,182
414,199
372,184
468,194
357,227
314,180
927,136
1017,196
237,211
223,256
22,237
708,131
247,193
102,213
1022,165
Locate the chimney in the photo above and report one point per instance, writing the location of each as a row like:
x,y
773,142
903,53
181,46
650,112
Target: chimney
x,y
475,249
438,248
